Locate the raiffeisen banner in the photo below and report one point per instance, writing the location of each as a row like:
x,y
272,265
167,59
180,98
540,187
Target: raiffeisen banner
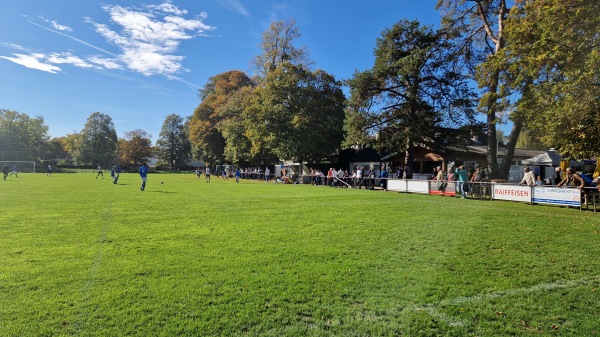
x,y
512,193
557,196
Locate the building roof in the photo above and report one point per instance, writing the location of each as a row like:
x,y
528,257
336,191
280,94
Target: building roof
x,y
550,157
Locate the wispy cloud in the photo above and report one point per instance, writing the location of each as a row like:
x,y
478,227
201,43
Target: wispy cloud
x,y
33,61
234,5
58,26
147,38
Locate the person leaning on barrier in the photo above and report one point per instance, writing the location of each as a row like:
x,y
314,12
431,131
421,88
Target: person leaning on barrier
x,y
528,178
572,179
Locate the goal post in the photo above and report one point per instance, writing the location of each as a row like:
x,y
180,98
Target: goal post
x,y
22,165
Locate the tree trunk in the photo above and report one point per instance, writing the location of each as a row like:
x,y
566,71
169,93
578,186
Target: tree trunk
x,y
408,159
510,148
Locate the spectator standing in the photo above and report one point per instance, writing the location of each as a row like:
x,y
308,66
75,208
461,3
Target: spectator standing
x,y
463,178
267,174
340,176
557,178
439,177
383,175
571,179
528,178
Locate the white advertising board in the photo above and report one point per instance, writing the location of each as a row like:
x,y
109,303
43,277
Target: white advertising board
x,y
512,192
417,186
557,196
396,185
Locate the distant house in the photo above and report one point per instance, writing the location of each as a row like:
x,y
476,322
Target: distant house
x,y
426,159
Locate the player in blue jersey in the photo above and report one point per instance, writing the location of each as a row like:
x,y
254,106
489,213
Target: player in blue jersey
x,y
143,175
114,173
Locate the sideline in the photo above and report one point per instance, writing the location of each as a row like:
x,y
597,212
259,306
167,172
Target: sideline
x,y
430,308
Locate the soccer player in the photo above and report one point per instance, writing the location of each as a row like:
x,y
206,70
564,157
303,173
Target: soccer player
x,y
238,174
267,174
143,175
49,170
114,174
100,172
224,176
5,171
14,171
207,174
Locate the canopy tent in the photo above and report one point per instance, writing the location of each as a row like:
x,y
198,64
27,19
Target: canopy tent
x,y
548,158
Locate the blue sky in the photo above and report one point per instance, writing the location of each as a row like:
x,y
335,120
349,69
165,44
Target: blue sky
x,y
139,61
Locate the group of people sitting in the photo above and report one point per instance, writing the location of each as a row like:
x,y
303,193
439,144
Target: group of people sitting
x,y
570,178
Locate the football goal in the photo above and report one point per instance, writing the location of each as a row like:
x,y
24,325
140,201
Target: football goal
x,y
22,166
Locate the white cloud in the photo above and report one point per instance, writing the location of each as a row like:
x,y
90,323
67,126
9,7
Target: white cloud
x,y
149,40
147,37
235,6
60,27
33,61
168,7
14,46
68,58
105,63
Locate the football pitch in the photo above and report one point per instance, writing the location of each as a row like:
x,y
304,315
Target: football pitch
x,y
84,257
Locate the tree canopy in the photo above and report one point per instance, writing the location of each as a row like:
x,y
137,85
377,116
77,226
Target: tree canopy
x,y
204,135
553,68
22,137
98,141
136,147
413,92
173,145
297,114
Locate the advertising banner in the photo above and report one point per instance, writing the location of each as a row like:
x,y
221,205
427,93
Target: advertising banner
x,y
557,196
512,192
396,185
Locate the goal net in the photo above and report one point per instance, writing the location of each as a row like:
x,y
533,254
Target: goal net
x,y
22,166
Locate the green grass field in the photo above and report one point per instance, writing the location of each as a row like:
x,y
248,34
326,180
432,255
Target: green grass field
x,y
84,257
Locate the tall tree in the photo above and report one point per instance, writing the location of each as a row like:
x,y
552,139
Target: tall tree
x,y
173,145
297,114
136,147
482,23
414,91
70,143
56,149
233,128
98,141
204,133
22,137
277,46
553,64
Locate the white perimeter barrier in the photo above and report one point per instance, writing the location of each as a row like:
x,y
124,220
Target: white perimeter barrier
x,y
566,196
